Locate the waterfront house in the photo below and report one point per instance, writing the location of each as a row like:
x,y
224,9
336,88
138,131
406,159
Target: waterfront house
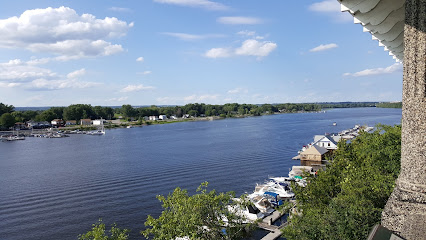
x,y
173,117
86,121
38,125
162,117
186,116
153,118
98,122
325,141
71,123
314,153
57,123
20,126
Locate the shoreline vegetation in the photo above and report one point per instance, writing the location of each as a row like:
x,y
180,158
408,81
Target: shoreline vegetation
x,y
127,115
344,201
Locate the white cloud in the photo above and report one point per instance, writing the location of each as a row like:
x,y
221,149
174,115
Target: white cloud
x,y
120,99
9,85
332,8
323,47
206,4
200,98
63,32
146,72
250,47
19,71
238,20
218,53
136,88
140,59
325,6
247,33
76,74
44,84
120,9
397,67
238,90
192,37
253,47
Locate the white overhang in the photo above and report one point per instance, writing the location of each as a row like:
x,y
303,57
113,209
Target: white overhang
x,y
384,19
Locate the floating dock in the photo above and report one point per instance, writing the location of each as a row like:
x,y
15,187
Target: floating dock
x,y
266,224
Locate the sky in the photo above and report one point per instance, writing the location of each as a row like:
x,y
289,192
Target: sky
x,y
174,52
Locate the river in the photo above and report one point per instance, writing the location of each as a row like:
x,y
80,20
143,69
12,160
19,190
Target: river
x,y
57,188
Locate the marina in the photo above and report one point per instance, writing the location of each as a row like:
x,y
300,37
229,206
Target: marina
x,y
57,189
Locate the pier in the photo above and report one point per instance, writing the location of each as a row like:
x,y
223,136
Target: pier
x,y
266,224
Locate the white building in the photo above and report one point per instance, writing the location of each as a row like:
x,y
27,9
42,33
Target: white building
x,y
162,117
98,122
153,118
325,141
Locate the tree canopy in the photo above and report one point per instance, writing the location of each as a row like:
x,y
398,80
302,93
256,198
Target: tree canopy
x,y
204,215
98,233
346,200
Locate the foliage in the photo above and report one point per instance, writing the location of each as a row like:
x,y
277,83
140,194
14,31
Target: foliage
x,y
4,108
346,200
7,121
389,105
201,216
98,233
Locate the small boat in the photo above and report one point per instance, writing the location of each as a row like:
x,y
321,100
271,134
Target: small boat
x,y
129,126
262,203
98,132
282,189
250,213
334,124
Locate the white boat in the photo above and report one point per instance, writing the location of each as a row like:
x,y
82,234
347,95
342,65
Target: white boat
x,y
98,132
12,138
300,170
262,204
289,180
282,189
250,213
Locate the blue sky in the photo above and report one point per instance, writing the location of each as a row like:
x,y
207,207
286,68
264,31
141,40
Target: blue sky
x,y
165,52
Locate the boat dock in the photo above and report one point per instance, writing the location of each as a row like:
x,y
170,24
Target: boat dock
x,y
266,224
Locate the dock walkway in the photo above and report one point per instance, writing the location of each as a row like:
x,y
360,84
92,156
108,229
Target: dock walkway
x,y
266,224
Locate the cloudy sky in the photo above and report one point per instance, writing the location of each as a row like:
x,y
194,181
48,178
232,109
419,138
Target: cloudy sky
x,y
143,52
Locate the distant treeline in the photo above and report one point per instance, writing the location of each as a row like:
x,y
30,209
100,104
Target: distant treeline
x,y
389,105
226,110
8,115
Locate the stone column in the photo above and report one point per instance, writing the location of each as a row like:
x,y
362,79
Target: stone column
x,y
405,211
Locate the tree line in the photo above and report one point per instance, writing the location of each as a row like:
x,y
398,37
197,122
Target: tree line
x,y
226,110
389,105
86,111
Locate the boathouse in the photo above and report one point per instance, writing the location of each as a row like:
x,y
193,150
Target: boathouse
x,y
325,141
313,153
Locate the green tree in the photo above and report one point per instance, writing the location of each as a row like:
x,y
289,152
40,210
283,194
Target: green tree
x,y
128,111
7,120
4,108
346,200
201,216
98,233
79,111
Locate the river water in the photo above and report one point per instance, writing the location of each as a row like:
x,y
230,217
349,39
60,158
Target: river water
x,y
57,188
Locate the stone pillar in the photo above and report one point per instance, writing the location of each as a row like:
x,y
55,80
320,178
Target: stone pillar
x,y
405,211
